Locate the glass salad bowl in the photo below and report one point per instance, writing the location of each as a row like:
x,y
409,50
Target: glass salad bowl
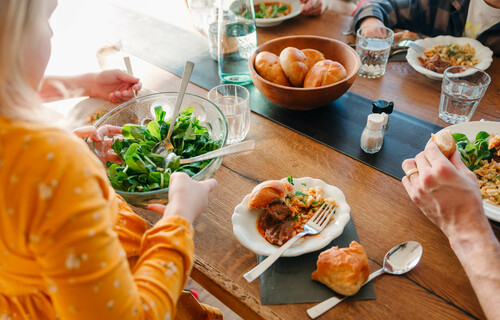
x,y
137,115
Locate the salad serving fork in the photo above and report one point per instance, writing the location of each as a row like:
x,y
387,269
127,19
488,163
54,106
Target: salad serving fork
x,y
315,225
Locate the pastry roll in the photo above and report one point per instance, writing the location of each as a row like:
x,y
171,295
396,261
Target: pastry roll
x,y
313,56
343,270
268,191
294,64
268,66
323,73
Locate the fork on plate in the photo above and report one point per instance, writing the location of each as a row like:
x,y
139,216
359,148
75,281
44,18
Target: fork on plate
x,y
315,225
410,44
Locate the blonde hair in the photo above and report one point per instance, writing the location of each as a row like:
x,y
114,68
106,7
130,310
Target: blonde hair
x,y
18,18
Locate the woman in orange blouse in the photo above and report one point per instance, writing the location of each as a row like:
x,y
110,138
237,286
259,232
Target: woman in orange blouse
x,y
70,248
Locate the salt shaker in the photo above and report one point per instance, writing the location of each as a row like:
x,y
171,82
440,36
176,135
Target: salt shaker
x,y
385,108
373,134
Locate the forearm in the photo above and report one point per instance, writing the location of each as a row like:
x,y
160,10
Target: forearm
x,y
59,87
393,13
479,254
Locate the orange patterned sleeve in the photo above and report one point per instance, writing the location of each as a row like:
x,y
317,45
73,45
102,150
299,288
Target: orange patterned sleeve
x,y
79,251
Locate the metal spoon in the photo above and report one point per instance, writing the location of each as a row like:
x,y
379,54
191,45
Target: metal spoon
x,y
235,148
164,147
400,259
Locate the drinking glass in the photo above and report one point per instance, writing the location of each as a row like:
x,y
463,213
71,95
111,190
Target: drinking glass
x,y
202,12
234,101
373,45
461,90
110,53
237,40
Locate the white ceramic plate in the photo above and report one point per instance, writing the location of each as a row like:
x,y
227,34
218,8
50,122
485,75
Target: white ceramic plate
x,y
470,129
484,54
270,22
245,223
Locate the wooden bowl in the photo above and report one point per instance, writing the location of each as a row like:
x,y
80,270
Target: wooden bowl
x,y
307,98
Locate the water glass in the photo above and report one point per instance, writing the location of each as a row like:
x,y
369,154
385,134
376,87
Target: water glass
x,y
110,54
237,40
373,45
234,101
461,90
202,14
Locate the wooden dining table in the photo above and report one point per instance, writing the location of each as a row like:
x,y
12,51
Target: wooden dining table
x,y
381,210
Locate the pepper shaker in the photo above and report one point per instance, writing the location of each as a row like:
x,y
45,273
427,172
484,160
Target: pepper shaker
x,y
373,135
385,108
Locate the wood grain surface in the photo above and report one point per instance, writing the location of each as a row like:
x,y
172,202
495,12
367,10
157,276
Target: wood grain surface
x,y
382,212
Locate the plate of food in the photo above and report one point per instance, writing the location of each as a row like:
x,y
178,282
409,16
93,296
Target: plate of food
x,y
272,13
445,51
276,210
487,169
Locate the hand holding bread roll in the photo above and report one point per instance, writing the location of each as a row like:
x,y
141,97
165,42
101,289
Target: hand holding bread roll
x,y
268,66
294,64
323,73
268,191
343,270
313,56
445,142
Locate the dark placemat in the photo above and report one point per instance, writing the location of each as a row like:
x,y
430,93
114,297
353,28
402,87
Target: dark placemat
x,y
338,125
288,280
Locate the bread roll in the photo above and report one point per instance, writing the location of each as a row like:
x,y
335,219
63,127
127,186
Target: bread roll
x,y
324,73
268,191
294,64
313,56
268,66
445,142
343,270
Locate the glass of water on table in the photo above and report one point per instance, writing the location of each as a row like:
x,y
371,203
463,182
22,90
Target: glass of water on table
x,y
234,102
461,90
373,45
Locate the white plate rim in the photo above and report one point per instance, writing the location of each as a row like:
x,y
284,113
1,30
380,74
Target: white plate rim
x,y
470,129
245,223
270,22
482,52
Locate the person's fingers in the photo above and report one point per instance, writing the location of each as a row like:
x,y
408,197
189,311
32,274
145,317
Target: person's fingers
x,y
88,132
432,152
306,8
118,95
137,86
157,208
109,130
423,164
127,78
456,161
127,94
210,184
408,165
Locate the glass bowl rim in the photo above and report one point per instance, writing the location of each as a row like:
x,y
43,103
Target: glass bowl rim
x,y
123,105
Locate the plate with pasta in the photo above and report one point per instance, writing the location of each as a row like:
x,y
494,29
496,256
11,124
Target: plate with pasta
x,y
487,172
445,51
271,13
304,199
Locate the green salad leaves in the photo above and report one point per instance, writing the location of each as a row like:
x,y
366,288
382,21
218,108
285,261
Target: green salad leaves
x,y
142,170
473,152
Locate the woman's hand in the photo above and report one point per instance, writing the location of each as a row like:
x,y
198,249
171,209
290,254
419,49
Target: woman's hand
x,y
312,7
187,197
445,190
114,85
102,143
